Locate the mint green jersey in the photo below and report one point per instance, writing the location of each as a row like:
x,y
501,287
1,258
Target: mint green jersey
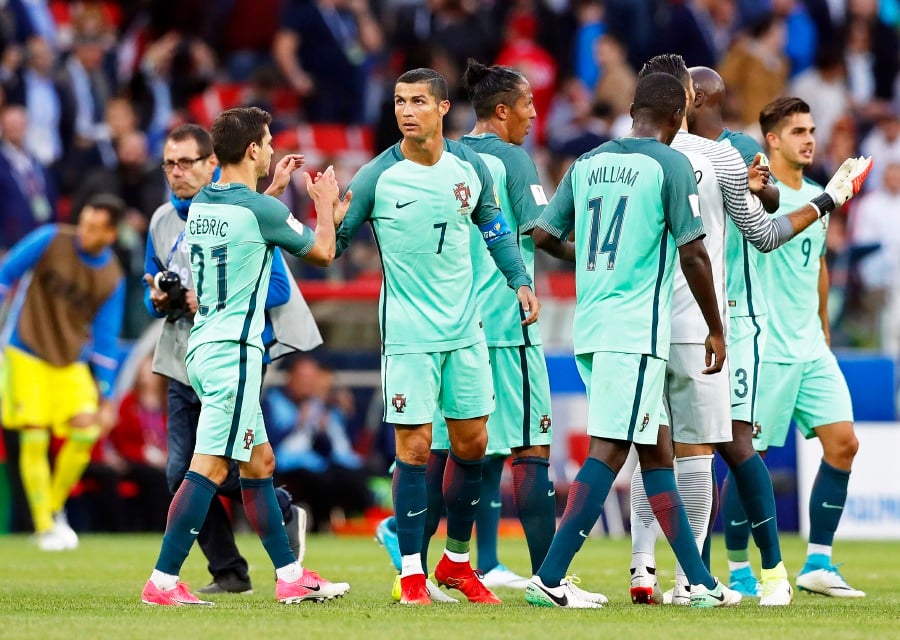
x,y
631,203
522,201
232,230
422,218
745,298
790,277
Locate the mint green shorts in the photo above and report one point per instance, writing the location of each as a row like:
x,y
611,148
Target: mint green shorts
x,y
455,383
522,415
227,377
624,392
812,393
746,341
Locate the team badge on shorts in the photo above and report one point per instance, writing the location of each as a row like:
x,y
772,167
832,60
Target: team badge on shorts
x,y
248,439
545,423
462,193
756,430
398,402
645,421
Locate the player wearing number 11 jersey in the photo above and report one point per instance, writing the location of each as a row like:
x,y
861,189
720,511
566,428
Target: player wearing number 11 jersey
x,y
232,231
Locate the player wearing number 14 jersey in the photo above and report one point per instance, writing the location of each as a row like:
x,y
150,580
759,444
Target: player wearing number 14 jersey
x,y
232,231
632,203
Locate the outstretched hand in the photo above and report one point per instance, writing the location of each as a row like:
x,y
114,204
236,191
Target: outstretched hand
x,y
324,187
848,180
283,170
341,207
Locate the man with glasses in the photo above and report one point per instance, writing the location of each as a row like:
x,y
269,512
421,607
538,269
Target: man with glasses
x,y
189,165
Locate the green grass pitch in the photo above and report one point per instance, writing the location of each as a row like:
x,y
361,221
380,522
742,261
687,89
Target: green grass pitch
x,y
94,593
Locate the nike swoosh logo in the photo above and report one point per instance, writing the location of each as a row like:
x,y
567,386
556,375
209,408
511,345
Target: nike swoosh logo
x,y
311,588
495,504
475,501
720,598
194,532
582,533
825,505
561,601
735,523
753,525
410,514
551,493
405,204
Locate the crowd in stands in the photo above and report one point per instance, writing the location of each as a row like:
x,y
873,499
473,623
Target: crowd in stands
x,y
89,90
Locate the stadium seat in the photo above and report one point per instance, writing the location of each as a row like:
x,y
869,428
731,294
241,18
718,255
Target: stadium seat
x,y
206,106
352,145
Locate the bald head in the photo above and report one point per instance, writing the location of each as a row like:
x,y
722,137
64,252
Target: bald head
x,y
710,83
705,119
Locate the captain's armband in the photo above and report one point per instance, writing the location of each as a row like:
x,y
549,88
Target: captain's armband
x,y
494,230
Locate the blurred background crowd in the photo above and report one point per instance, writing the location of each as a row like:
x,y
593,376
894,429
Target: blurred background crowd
x,y
89,90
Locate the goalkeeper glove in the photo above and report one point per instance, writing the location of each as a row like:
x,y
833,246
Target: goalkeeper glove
x,y
844,184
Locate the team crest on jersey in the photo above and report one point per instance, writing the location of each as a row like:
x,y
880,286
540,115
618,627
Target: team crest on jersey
x,y
545,423
645,421
248,439
462,193
398,402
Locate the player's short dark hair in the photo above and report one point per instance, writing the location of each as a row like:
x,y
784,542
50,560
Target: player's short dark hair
x,y
774,113
670,63
658,95
233,131
197,133
113,205
437,84
489,86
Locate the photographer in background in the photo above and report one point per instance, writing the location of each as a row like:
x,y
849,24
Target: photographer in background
x,y
189,165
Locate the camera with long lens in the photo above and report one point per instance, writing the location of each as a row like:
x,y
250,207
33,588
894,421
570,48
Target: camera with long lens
x,y
169,282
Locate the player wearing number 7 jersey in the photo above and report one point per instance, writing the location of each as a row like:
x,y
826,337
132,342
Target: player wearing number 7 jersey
x,y
421,197
232,231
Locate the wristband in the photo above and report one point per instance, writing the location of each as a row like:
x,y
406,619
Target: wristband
x,y
823,203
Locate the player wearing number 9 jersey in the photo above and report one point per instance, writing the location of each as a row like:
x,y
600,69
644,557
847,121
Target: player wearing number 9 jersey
x,y
800,378
232,231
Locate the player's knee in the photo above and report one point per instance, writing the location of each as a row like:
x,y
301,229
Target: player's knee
x,y
736,452
845,448
414,448
472,448
87,434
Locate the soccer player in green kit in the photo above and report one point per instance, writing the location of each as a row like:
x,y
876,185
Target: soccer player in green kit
x,y
421,197
799,376
232,231
632,203
521,422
